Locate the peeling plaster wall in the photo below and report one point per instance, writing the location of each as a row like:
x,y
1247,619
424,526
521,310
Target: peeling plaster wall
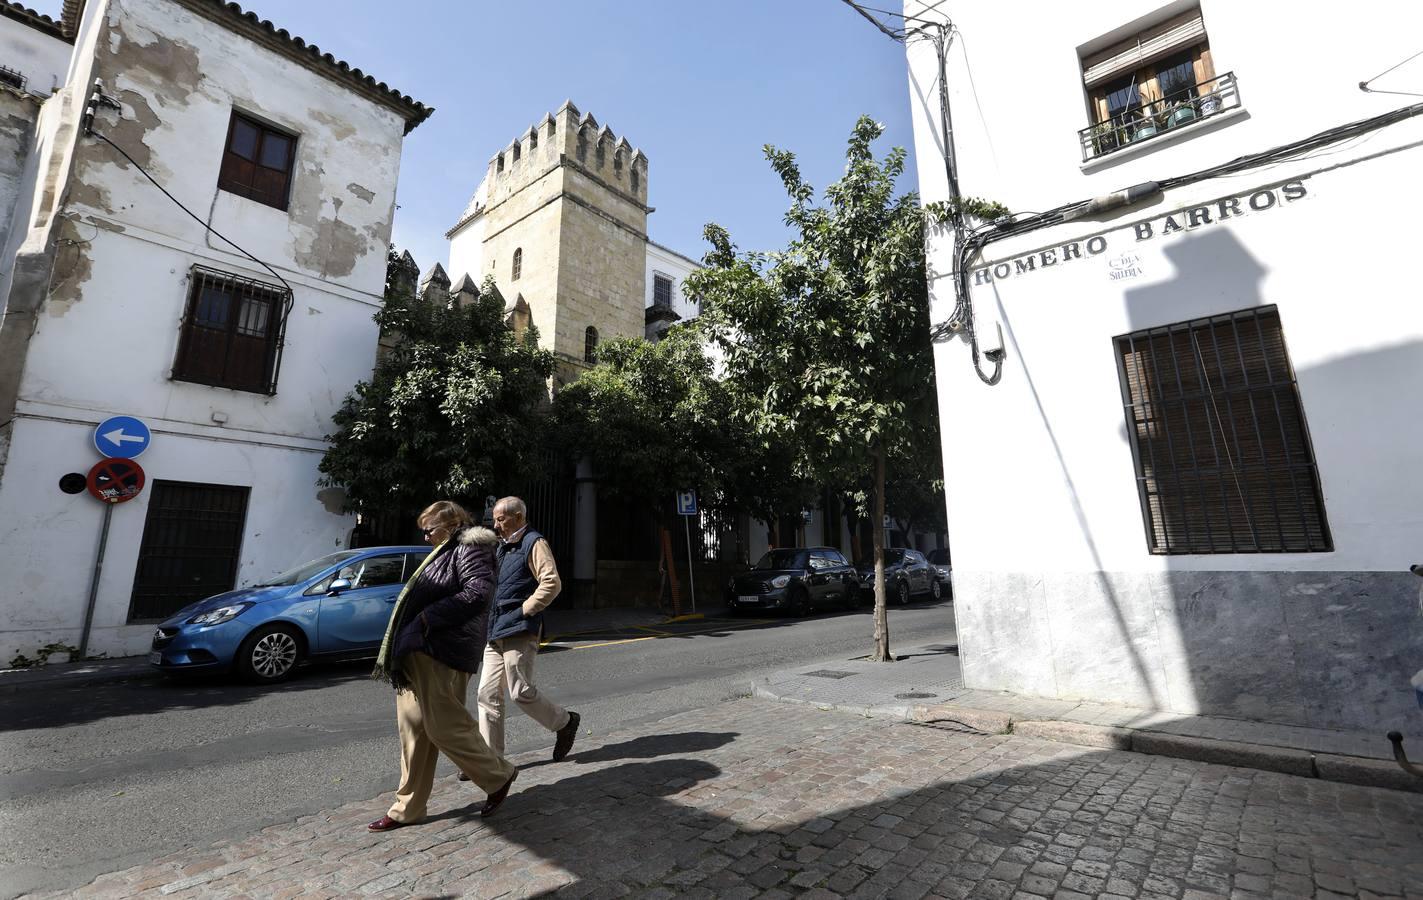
x,y
42,59
107,331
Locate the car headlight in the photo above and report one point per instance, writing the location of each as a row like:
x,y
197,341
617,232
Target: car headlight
x,y
780,581
220,615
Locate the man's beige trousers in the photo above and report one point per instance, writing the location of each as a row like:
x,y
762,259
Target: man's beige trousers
x,y
432,718
509,665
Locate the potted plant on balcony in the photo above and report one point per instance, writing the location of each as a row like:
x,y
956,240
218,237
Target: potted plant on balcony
x,y
1178,112
1104,138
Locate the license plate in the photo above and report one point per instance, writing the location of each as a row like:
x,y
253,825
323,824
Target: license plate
x,y
154,657
745,599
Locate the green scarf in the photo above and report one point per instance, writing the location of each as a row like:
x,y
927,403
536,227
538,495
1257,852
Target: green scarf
x,y
387,667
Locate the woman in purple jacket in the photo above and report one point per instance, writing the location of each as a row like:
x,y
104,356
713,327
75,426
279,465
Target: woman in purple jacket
x,y
434,642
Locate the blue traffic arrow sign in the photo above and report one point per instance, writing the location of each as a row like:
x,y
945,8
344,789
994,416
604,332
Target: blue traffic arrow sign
x,y
122,437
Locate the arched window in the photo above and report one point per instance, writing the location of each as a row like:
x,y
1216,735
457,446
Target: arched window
x,y
518,264
618,164
636,179
590,345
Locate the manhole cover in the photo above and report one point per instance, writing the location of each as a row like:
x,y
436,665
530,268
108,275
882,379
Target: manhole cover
x,y
829,673
914,695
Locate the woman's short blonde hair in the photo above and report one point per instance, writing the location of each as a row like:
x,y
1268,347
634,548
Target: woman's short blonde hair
x,y
445,514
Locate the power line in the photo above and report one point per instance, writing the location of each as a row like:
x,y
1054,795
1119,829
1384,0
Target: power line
x,y
875,22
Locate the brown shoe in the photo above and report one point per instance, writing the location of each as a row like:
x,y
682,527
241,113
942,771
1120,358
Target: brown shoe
x,y
564,742
385,823
496,798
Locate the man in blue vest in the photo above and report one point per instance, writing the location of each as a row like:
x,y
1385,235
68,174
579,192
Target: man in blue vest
x,y
528,582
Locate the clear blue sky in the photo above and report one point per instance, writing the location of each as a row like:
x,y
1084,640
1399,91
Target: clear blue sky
x,y
699,87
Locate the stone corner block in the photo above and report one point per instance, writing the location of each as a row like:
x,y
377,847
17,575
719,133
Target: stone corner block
x,y
1226,753
1368,772
988,721
1107,737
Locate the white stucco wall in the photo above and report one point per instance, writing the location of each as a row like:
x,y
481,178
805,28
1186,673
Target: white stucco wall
x,y
108,333
669,263
1057,593
42,58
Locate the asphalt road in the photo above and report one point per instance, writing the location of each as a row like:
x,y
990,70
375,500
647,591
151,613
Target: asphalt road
x,y
100,777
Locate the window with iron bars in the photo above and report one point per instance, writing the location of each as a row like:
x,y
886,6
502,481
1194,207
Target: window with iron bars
x,y
661,290
12,78
1222,452
232,332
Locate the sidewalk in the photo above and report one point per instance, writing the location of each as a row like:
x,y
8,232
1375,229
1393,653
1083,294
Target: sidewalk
x,y
752,798
559,622
926,685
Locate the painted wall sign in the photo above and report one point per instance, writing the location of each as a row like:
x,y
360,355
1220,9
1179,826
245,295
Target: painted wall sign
x,y
1120,266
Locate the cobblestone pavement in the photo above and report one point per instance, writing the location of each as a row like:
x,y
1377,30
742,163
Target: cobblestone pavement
x,y
757,798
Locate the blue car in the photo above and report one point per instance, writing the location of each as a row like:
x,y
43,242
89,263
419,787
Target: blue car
x,y
334,606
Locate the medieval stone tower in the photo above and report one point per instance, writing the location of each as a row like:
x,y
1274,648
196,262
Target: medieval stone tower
x,y
560,222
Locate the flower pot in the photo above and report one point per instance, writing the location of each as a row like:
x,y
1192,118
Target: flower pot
x,y
1180,116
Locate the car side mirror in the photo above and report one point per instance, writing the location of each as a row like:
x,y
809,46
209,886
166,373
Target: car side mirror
x,y
339,585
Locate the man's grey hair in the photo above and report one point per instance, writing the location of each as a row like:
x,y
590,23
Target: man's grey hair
x,y
513,506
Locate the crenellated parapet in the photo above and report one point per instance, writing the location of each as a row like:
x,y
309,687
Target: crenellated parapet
x,y
565,135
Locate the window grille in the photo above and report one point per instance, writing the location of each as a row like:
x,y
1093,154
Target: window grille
x,y
518,268
191,540
661,291
232,332
590,345
1223,458
12,78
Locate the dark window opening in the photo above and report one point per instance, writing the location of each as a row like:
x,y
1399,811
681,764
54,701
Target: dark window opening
x,y
516,151
500,165
533,140
231,332
590,345
1223,458
518,268
257,163
13,78
191,540
661,291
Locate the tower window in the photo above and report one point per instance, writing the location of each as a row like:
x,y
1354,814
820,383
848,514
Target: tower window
x,y
618,164
602,153
590,345
516,151
500,166
533,140
552,130
518,264
636,180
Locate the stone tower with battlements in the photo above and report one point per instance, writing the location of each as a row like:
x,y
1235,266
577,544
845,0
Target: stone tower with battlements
x,y
560,221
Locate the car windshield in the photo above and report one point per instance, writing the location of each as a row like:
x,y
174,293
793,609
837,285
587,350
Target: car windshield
x,y
308,569
782,559
890,558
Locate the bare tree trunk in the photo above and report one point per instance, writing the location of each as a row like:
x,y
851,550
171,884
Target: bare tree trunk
x,y
775,532
881,653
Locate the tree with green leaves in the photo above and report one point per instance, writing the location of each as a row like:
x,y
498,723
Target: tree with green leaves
x,y
826,343
454,409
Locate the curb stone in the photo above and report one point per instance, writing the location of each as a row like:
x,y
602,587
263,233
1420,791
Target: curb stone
x,y
1357,770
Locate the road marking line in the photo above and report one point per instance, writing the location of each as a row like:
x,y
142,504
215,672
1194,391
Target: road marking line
x,y
655,636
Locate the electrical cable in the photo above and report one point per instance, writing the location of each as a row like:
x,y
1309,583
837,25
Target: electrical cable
x,y
291,295
1364,85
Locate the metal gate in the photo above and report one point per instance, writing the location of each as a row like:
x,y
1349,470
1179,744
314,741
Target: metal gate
x,y
552,501
191,541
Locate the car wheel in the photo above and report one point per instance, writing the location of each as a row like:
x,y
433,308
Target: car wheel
x,y
936,590
800,603
902,593
269,654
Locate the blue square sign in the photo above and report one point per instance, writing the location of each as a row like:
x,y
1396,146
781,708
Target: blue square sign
x,y
686,503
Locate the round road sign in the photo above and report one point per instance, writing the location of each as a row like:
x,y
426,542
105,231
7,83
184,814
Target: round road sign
x,y
115,480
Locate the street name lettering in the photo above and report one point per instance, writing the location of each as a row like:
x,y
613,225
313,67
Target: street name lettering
x,y
1212,213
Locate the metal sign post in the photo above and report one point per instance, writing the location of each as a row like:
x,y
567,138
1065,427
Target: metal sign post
x,y
112,480
94,582
686,508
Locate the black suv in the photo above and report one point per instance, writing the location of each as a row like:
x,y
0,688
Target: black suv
x,y
795,580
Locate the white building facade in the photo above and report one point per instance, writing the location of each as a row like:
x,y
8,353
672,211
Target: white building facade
x,y
118,302
1195,487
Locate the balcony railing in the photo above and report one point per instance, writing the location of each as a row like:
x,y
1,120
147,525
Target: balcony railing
x,y
1149,120
12,78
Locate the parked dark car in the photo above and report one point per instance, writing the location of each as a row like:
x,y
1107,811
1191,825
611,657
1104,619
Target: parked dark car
x,y
939,559
907,574
795,580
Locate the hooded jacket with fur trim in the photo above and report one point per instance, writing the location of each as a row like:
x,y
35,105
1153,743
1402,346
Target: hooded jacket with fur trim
x,y
447,612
